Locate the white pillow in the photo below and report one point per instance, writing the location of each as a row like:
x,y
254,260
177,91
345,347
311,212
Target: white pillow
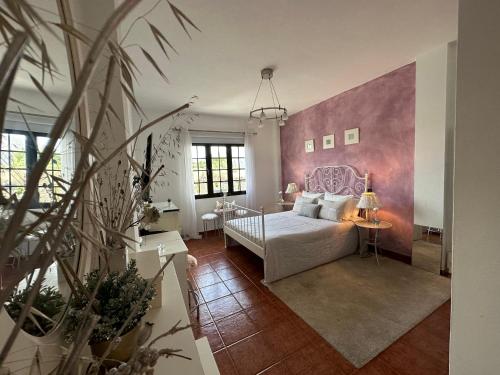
x,y
300,201
336,197
310,194
332,210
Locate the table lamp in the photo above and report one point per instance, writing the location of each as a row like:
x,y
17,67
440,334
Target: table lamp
x,y
292,188
369,201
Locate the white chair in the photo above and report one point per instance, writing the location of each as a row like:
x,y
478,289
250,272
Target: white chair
x,y
207,218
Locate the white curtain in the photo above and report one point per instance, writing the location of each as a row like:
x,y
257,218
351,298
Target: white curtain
x,y
251,194
187,201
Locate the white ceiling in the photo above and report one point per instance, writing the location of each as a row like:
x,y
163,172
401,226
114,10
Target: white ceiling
x,y
319,48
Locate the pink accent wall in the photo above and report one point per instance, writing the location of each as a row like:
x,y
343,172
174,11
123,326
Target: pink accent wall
x,y
384,111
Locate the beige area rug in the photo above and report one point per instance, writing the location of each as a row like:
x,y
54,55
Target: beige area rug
x,y
361,308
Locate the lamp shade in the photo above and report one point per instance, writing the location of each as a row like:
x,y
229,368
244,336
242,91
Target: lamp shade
x,y
369,200
292,188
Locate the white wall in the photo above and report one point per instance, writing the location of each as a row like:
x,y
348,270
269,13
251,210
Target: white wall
x,y
475,314
267,162
449,159
430,122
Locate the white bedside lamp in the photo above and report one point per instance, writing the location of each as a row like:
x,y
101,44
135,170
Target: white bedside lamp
x,y
368,202
292,188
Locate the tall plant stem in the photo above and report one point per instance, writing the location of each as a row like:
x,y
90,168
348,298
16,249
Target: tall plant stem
x,y
63,120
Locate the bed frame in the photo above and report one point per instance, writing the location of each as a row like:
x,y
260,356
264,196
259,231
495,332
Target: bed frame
x,y
337,179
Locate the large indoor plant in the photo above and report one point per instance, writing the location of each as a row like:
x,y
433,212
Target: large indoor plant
x,y
121,299
20,23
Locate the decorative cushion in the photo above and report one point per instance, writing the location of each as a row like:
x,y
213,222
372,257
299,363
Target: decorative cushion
x,y
336,197
310,210
350,209
192,262
220,205
333,210
241,212
310,194
300,201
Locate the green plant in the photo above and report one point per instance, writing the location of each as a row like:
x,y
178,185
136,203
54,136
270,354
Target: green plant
x,y
47,305
118,294
99,232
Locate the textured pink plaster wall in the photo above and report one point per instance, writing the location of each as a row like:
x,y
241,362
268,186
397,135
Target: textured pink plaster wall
x,y
384,111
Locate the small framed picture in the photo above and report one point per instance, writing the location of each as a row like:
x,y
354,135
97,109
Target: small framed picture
x,y
351,136
309,145
328,141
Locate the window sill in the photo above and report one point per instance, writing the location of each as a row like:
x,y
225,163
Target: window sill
x,y
218,196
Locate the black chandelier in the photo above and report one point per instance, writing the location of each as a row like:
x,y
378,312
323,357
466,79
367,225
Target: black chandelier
x,y
275,112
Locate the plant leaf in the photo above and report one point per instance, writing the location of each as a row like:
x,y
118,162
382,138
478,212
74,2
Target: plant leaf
x,y
160,38
129,62
181,17
126,75
8,67
155,65
70,30
132,100
42,90
13,100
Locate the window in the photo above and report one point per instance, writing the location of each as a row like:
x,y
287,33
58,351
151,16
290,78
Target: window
x,y
18,157
218,169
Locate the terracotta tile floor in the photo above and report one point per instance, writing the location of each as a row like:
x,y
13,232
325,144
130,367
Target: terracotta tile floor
x,y
252,332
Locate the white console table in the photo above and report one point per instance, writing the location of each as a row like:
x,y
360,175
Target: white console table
x,y
169,220
172,244
174,306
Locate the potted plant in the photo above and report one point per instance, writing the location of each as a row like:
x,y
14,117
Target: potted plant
x,y
121,298
43,313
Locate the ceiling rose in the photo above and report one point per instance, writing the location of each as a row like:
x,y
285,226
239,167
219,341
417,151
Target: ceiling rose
x,y
273,111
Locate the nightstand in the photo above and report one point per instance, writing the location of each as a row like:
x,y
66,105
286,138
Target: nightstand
x,y
376,227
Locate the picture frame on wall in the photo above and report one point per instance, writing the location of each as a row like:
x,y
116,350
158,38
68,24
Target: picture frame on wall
x,y
328,141
309,145
351,136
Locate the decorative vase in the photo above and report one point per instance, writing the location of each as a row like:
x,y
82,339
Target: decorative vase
x,y
122,352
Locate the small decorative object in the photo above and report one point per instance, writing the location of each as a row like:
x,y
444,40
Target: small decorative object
x,y
309,145
119,295
351,136
369,201
292,188
150,215
375,217
280,195
328,141
219,205
169,201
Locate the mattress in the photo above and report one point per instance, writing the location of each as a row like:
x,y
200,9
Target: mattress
x,y
297,243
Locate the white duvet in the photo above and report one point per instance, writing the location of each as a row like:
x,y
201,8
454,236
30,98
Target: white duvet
x,y
297,243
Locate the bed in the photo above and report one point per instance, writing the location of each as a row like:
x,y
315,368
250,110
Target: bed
x,y
289,243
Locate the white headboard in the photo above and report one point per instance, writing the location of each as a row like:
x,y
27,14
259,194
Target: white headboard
x,y
337,179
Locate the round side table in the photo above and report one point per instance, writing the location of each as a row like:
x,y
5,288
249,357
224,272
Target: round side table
x,y
376,227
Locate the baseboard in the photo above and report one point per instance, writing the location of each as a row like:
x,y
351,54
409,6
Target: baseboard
x,y
445,273
392,254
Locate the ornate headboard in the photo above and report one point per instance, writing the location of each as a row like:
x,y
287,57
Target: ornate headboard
x,y
337,179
